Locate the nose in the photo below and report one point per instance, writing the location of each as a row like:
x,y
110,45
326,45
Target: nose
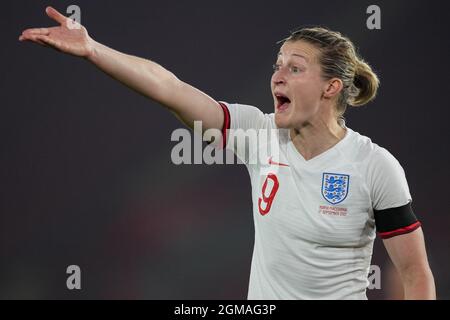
x,y
278,77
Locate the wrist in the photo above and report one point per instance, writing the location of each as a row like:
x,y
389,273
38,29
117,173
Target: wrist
x,y
93,51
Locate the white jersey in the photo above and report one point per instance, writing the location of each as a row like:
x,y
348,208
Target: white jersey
x,y
314,220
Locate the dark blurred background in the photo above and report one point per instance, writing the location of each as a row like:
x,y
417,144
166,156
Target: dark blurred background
x,y
86,175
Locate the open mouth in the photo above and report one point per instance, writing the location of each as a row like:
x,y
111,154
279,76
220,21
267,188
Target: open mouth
x,y
283,102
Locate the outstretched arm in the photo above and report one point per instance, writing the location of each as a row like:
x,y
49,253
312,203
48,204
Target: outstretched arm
x,y
409,256
144,76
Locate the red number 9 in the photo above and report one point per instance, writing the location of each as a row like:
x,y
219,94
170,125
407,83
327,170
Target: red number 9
x,y
268,200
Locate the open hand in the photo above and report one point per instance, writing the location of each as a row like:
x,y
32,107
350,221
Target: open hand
x,y
69,37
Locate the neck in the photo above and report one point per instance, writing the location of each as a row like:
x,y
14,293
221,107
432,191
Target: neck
x,y
314,138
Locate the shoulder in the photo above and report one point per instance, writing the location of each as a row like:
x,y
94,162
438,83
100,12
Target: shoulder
x,y
363,150
359,148
246,116
384,175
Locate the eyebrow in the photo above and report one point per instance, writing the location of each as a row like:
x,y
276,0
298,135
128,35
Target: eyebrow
x,y
295,55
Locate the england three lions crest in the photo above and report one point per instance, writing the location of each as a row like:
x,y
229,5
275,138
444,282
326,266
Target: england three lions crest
x,y
335,187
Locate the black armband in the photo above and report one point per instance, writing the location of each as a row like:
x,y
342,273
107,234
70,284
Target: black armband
x,y
395,221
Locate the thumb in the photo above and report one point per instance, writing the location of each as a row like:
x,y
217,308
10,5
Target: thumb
x,y
55,15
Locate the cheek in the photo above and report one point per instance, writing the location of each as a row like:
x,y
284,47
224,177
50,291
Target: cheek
x,y
308,92
307,101
307,97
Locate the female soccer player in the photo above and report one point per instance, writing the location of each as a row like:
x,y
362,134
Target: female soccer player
x,y
318,202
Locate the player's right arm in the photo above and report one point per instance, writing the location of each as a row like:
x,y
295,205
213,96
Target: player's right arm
x,y
144,76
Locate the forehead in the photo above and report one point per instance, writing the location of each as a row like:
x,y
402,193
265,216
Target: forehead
x,y
300,49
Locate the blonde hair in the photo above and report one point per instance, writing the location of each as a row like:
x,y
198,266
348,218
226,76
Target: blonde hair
x,y
339,59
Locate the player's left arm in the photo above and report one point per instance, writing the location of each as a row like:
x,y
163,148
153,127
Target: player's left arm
x,y
408,253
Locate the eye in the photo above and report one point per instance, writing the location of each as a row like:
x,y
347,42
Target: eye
x,y
276,67
295,69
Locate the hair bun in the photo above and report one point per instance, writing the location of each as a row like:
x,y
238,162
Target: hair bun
x,y
365,85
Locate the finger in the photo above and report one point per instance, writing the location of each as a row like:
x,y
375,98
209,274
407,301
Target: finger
x,y
41,43
36,31
45,40
25,37
32,39
55,15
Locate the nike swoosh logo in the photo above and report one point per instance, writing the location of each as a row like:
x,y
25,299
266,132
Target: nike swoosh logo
x,y
277,163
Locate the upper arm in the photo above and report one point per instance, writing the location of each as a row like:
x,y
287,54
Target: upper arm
x,y
409,257
398,226
190,104
408,252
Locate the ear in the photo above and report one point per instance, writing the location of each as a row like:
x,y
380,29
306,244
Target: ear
x,y
333,88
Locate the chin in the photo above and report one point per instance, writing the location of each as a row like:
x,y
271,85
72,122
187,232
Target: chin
x,y
282,121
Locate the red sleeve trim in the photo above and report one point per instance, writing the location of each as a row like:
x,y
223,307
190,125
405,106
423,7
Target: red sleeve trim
x,y
226,123
400,231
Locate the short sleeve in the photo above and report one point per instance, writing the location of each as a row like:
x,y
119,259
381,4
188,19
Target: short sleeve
x,y
242,127
387,182
391,199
